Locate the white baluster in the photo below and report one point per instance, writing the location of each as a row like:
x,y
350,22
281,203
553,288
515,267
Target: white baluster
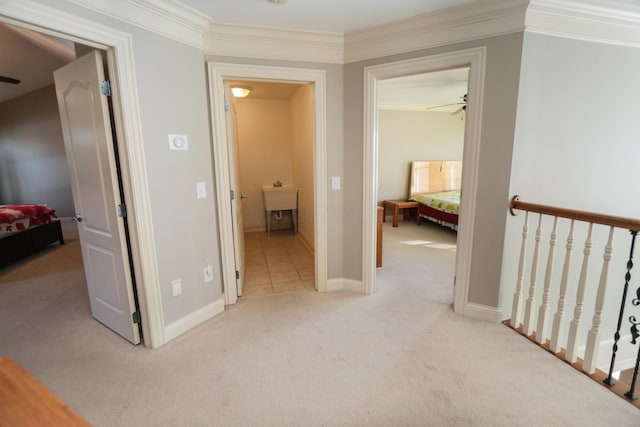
x,y
530,309
543,311
574,327
593,337
557,331
516,310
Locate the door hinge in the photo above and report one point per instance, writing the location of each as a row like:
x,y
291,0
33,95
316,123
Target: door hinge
x,y
226,106
121,209
105,87
136,317
237,275
233,195
454,280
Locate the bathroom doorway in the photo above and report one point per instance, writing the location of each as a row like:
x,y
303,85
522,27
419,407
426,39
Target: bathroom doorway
x,y
313,223
274,135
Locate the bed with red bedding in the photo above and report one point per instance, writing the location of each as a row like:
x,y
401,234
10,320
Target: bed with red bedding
x,y
25,229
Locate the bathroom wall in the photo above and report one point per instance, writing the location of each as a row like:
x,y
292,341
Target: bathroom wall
x,y
302,135
265,154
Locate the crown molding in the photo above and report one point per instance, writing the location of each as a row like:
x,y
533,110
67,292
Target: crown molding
x,y
251,41
585,20
453,25
168,18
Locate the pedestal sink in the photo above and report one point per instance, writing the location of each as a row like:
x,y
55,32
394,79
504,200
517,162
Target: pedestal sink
x,y
284,198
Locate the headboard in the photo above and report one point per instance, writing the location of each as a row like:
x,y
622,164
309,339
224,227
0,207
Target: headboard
x,y
434,176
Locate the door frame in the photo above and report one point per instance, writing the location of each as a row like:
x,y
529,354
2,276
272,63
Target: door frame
x,y
475,59
217,73
128,129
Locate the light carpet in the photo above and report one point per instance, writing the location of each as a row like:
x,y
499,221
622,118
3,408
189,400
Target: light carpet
x,y
399,357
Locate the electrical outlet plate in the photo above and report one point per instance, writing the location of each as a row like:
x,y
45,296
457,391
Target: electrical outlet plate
x,y
201,190
176,287
208,273
335,182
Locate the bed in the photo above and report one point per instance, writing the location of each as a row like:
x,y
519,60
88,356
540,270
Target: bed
x,y
435,185
26,229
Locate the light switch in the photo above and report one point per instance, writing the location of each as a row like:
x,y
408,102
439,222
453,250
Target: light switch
x,y
208,273
178,142
201,190
335,182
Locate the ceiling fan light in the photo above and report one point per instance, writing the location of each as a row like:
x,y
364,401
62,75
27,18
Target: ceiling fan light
x,y
240,91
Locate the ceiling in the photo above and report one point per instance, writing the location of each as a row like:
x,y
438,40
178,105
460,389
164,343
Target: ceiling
x,y
339,16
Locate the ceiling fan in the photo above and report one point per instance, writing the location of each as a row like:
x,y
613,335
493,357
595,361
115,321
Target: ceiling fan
x,y
463,105
10,80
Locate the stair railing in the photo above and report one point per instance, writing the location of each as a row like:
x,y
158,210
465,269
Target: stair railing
x,y
525,311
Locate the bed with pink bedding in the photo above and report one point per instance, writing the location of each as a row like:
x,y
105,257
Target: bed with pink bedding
x,y
25,229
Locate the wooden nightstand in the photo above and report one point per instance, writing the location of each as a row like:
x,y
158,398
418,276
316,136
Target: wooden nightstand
x,y
396,205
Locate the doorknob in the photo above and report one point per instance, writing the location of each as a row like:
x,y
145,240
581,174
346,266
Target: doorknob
x,y
242,196
77,218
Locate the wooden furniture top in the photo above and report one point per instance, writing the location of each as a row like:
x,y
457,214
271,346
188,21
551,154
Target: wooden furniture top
x,y
26,402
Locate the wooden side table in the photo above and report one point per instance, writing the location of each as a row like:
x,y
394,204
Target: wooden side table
x,y
26,402
396,205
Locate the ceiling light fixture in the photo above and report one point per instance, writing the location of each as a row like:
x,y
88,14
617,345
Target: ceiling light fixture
x,y
240,91
277,1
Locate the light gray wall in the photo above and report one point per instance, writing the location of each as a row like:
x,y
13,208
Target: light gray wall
x,y
336,213
498,121
576,146
33,164
405,136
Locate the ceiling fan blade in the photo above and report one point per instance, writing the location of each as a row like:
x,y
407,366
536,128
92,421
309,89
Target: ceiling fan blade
x,y
10,80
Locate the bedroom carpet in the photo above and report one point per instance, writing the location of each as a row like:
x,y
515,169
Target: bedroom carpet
x,y
399,357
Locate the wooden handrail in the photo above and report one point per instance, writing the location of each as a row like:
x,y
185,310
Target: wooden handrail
x,y
595,218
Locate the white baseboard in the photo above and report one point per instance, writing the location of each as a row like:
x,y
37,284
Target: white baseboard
x,y
483,312
343,284
189,322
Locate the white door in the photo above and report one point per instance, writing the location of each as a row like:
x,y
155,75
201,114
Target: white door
x,y
89,145
234,181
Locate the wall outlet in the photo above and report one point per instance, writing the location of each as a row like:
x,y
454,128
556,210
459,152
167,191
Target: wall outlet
x,y
176,287
208,273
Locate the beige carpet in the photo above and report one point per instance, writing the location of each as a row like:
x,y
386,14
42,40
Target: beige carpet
x,y
400,357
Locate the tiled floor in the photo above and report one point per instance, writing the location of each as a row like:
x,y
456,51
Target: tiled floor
x,y
277,264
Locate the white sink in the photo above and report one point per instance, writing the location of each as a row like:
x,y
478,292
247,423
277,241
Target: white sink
x,y
280,198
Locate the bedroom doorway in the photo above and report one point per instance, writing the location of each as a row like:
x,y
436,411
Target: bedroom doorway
x,y
420,146
114,120
473,59
314,81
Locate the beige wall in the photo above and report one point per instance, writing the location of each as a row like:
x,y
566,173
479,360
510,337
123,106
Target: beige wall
x,y
265,153
33,163
404,136
302,128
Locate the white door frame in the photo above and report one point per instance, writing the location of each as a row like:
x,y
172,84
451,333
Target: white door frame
x,y
475,60
218,72
128,128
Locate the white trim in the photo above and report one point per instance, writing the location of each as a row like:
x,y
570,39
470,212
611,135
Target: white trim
x,y
483,312
448,26
584,21
344,284
168,18
194,319
129,131
274,43
475,60
218,72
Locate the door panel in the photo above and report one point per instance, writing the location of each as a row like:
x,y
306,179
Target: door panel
x,y
86,127
234,180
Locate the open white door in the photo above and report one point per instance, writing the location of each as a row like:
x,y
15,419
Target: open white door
x,y
89,145
234,181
